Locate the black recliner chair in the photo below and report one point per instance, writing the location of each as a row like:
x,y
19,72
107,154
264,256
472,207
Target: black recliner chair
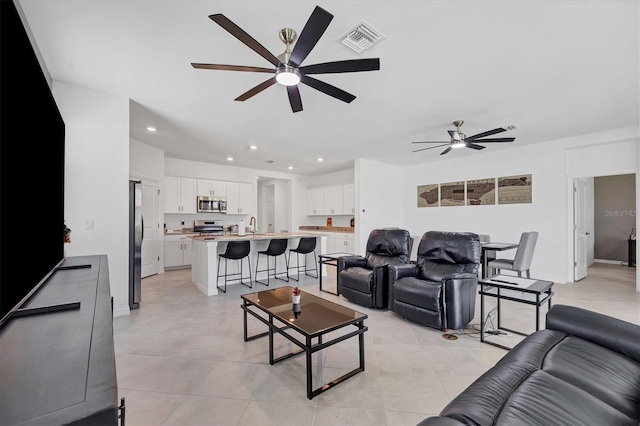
x,y
438,291
364,279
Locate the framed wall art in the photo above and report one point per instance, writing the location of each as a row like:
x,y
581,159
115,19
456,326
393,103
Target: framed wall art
x,y
481,192
428,195
515,189
452,194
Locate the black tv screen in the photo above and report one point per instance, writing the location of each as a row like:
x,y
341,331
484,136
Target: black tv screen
x,y
32,144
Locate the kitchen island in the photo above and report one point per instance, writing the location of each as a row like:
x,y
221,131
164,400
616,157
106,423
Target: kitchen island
x,y
206,248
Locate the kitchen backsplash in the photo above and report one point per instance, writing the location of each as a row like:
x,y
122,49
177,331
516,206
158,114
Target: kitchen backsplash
x,y
186,220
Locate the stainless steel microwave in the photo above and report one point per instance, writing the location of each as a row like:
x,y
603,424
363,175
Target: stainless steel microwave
x,y
212,204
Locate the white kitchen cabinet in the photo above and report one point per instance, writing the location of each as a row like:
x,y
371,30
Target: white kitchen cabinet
x,y
315,201
177,251
240,198
180,194
339,242
333,200
348,199
212,188
344,243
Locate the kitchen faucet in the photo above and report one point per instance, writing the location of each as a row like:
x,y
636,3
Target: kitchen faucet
x,y
253,221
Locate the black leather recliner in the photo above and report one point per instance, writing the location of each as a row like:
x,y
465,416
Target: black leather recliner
x,y
438,291
364,279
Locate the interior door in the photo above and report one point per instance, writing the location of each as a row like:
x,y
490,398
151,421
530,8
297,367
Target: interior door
x,y
151,226
579,229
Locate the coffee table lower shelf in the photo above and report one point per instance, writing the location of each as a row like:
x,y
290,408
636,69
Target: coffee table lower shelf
x,y
305,347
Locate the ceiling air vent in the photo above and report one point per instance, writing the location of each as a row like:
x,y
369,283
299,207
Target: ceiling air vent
x,y
361,37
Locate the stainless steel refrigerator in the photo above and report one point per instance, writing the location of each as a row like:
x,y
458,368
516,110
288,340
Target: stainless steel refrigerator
x,y
135,243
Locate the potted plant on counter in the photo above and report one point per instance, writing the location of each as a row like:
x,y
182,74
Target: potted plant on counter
x,y
296,295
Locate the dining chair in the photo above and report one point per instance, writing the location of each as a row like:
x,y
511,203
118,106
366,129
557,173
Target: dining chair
x,y
522,259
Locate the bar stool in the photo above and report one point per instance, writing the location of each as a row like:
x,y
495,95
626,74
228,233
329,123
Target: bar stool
x,y
277,247
305,246
236,250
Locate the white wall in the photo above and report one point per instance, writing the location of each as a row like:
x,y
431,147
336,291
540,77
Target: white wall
x,y
97,180
146,161
553,165
379,199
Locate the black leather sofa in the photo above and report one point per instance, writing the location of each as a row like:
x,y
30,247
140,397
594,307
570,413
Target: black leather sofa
x,y
583,369
440,289
364,279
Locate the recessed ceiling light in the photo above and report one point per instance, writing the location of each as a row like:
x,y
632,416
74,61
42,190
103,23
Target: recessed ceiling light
x,y
151,129
290,167
320,159
253,147
229,158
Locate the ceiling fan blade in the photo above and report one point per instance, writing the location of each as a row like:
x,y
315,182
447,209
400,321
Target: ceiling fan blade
x,y
352,65
474,146
311,33
446,150
257,89
327,88
294,98
231,68
487,133
494,140
424,149
444,142
241,35
454,135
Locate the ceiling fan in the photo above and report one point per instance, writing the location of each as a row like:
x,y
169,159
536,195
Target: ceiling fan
x,y
288,70
460,140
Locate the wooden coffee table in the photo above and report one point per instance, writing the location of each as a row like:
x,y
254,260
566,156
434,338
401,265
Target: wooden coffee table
x,y
313,318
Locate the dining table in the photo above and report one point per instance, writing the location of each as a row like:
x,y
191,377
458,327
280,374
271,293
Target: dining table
x,y
490,247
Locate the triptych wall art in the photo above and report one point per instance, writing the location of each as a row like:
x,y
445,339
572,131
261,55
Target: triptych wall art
x,y
506,190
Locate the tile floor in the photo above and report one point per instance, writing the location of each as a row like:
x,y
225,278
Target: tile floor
x,y
181,358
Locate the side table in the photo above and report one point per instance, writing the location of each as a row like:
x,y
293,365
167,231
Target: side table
x,y
523,290
332,260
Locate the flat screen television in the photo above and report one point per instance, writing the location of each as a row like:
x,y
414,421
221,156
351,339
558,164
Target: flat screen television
x,y
32,161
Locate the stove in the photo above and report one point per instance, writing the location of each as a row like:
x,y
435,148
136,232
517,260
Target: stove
x,y
208,227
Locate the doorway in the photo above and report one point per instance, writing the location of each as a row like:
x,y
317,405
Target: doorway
x,y
604,218
274,204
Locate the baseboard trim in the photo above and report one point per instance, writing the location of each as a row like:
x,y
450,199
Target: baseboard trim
x,y
610,262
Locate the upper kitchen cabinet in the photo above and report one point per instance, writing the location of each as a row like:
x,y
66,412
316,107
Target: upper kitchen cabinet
x,y
180,194
212,188
349,199
239,198
333,200
315,201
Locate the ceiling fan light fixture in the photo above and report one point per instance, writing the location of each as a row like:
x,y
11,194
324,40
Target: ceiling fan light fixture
x,y
458,144
288,76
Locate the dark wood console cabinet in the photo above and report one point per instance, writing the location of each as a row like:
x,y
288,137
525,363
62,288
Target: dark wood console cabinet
x,y
58,368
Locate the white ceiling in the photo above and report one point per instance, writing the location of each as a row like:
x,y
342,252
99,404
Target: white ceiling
x,y
554,69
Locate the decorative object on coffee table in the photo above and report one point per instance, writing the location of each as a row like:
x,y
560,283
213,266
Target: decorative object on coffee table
x,y
295,296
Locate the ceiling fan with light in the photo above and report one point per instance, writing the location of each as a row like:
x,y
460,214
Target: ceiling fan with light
x,y
460,140
288,70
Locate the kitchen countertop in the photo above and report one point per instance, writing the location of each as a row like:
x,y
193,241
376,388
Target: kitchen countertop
x,y
250,236
346,229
